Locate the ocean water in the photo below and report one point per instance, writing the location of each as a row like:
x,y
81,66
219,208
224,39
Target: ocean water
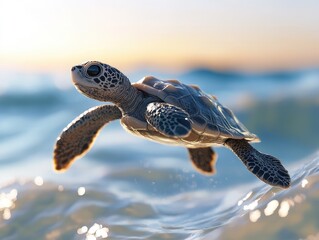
x,y
131,188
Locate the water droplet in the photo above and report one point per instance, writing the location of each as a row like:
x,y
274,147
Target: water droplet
x,y
94,228
251,206
38,180
102,233
96,231
271,207
7,199
90,237
82,230
284,209
6,214
81,191
254,216
304,183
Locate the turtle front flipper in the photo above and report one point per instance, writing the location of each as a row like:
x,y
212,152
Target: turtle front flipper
x,y
77,138
168,119
204,159
267,168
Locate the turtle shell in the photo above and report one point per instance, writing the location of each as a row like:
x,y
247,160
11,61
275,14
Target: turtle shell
x,y
208,116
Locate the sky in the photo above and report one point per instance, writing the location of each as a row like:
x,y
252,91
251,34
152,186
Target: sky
x,y
248,35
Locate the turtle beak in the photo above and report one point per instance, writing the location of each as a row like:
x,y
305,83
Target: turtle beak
x,y
76,67
75,72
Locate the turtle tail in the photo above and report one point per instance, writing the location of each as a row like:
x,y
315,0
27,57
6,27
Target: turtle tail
x,y
267,168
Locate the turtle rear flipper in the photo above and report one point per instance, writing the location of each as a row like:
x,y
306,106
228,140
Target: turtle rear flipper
x,y
77,138
204,159
267,168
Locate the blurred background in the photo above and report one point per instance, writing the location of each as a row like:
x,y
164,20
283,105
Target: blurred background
x,y
260,58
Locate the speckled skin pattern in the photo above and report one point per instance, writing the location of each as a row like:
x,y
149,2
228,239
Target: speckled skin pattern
x,y
168,119
168,112
79,135
265,167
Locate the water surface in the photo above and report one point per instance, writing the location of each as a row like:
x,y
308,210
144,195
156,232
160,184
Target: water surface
x,y
131,188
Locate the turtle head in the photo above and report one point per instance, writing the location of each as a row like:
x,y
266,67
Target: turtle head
x,y
100,81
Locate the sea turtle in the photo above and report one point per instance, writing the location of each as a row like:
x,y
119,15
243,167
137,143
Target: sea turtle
x,y
168,112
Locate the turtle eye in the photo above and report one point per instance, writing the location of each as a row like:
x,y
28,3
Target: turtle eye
x,y
93,70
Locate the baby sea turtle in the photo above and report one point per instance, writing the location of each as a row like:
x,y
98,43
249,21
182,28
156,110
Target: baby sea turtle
x,y
168,112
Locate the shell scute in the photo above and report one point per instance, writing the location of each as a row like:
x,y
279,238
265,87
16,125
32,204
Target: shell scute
x,y
189,105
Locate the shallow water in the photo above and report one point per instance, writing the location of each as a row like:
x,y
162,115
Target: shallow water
x,y
130,188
